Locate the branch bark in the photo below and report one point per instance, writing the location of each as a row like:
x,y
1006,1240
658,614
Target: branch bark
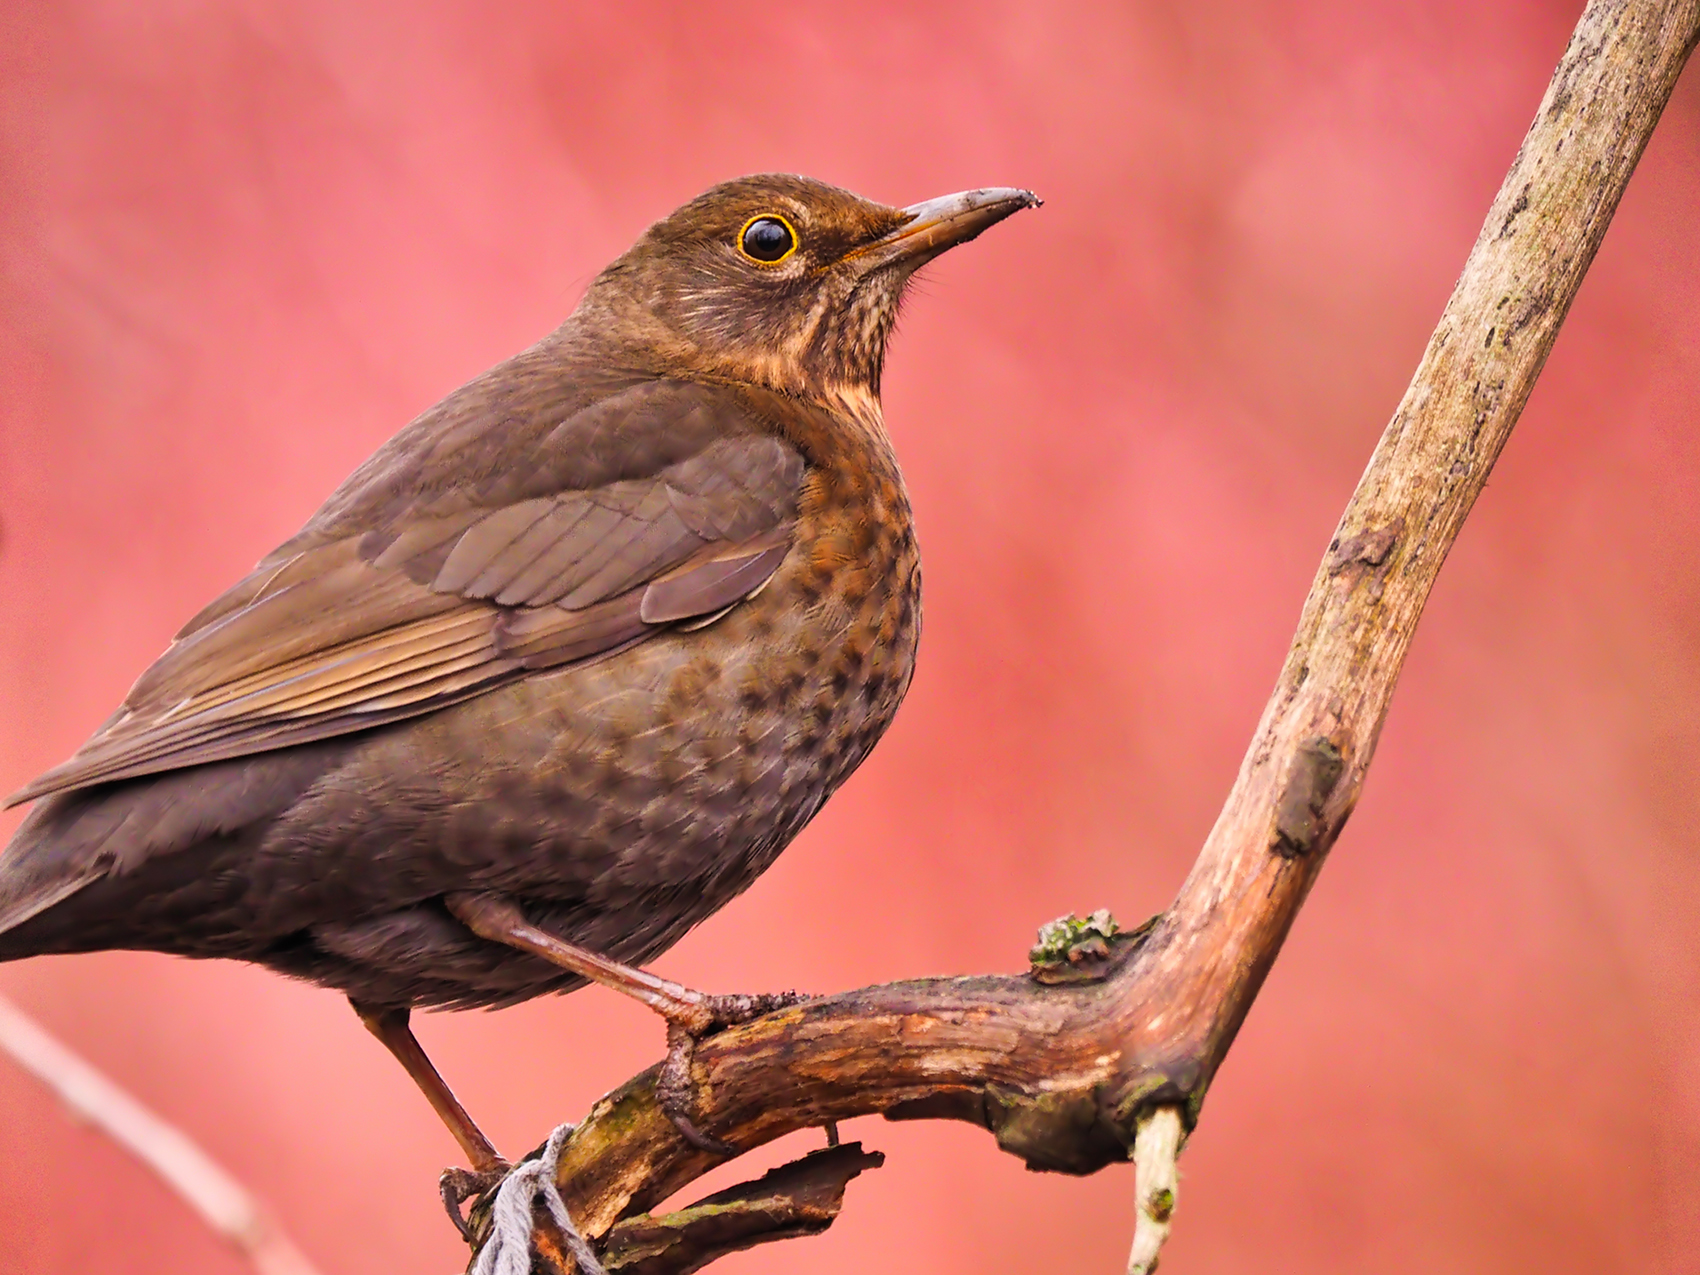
x,y
800,1198
1061,1072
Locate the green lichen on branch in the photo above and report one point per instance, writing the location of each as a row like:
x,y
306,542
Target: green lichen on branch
x,y
1162,1204
1075,950
1068,938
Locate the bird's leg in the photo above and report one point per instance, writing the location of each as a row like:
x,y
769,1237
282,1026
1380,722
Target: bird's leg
x,y
690,1014
389,1024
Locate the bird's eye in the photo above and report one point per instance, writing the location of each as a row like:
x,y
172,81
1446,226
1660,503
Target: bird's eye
x,y
767,239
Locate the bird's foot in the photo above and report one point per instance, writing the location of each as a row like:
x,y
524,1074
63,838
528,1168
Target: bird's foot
x,y
460,1185
704,1013
501,920
696,1016
691,1015
514,1194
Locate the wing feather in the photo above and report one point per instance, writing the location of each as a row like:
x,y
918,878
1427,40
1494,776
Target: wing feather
x,y
413,590
557,550
479,551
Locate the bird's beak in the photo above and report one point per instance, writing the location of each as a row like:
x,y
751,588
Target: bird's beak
x,y
942,223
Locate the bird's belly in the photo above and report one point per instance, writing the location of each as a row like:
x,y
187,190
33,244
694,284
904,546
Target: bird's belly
x,y
624,800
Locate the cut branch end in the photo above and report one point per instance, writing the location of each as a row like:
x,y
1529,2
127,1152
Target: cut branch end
x,y
1158,1143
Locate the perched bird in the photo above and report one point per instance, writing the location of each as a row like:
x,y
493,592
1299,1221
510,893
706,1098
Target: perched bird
x,y
557,672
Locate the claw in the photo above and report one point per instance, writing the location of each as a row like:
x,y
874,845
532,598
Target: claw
x,y
673,1089
675,1093
731,1011
457,1186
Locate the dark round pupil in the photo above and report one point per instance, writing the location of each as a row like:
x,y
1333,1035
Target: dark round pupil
x,y
767,239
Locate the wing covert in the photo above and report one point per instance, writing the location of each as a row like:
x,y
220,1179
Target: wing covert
x,y
410,591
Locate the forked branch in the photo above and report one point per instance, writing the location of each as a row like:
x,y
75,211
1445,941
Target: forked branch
x,y
1064,1073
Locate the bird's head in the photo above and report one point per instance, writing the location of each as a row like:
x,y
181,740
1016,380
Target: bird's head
x,y
784,281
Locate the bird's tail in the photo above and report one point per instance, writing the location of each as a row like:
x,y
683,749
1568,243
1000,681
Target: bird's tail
x,y
42,866
119,845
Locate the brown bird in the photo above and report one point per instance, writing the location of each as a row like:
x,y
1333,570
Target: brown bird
x,y
556,673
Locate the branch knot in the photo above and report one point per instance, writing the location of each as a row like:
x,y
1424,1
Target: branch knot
x,y
1072,950
1315,771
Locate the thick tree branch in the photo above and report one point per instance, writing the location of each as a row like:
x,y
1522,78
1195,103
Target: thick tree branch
x,y
1061,1073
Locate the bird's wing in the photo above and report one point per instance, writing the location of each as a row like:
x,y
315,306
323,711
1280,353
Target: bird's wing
x,y
432,576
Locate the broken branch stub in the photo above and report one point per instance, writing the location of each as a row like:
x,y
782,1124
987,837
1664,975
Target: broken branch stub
x,y
1061,1074
796,1199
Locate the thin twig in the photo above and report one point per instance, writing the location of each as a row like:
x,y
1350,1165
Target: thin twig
x,y
1158,1142
198,1180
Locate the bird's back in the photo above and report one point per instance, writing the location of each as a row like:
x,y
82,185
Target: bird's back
x,y
622,796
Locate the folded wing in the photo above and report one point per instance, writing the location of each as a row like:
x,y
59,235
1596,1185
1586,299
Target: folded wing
x,y
411,600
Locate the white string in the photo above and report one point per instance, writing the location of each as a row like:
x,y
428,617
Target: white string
x,y
508,1250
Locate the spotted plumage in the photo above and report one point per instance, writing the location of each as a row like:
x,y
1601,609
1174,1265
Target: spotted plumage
x,y
598,635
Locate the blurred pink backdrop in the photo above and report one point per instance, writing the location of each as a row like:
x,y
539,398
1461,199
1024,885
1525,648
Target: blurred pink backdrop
x,y
242,242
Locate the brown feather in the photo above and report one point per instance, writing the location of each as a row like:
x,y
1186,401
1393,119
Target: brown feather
x,y
601,631
336,633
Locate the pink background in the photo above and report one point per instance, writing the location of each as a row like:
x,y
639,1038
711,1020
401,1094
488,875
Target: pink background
x,y
241,243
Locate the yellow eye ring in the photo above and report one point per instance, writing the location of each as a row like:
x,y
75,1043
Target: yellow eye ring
x,y
767,239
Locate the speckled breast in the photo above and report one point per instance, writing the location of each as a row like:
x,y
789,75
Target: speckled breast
x,y
624,800
678,770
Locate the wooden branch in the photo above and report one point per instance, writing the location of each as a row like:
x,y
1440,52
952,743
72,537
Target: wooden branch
x,y
1157,1144
800,1198
1061,1071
